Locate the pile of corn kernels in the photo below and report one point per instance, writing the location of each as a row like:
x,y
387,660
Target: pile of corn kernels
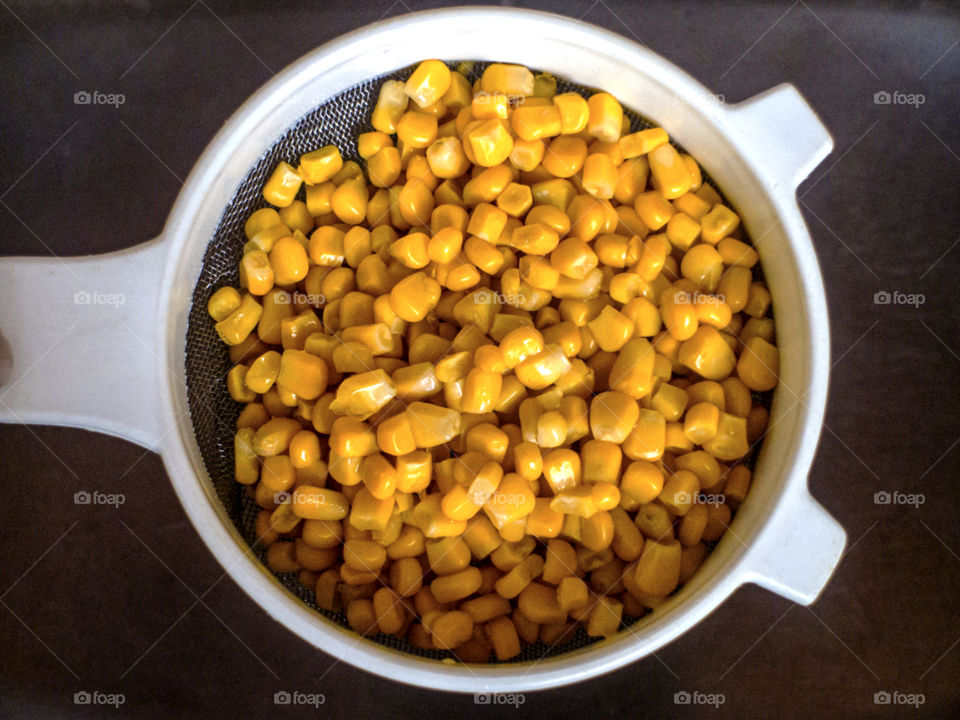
x,y
497,383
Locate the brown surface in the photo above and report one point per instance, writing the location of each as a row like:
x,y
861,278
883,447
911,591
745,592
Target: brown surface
x,y
129,600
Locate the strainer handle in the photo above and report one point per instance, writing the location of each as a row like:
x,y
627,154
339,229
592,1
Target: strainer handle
x,y
79,342
779,127
798,549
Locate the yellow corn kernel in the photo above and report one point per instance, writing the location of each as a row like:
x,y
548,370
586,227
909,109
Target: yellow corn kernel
x,y
315,503
303,374
605,617
428,82
574,112
384,167
450,630
246,463
564,156
304,449
703,265
574,258
606,117
349,201
682,230
600,175
370,143
487,185
320,165
223,302
535,239
513,500
327,246
481,391
446,158
612,329
759,364
734,252
730,442
669,400
543,369
395,435
527,154
668,171
391,104
318,198
510,79
289,261
487,222
653,209
596,531
378,475
456,586
642,142
256,273
503,636
259,220
718,223
612,415
700,423
534,123
361,395
680,492
679,313
448,555
370,513
515,199
562,469
283,185
489,142
414,296
458,94
647,439
433,425
513,583
707,353
263,372
237,387
658,569
414,471
538,603
416,129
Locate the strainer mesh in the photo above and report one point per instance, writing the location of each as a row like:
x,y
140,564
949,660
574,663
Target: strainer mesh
x,y
213,412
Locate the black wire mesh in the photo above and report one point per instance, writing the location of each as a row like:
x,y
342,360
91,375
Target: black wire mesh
x,y
213,412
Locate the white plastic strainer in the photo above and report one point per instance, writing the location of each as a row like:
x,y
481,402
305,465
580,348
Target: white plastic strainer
x,y
135,321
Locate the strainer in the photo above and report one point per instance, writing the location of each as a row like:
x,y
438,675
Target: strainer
x,y
134,324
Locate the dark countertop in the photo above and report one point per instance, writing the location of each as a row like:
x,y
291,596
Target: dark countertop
x,y
96,598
